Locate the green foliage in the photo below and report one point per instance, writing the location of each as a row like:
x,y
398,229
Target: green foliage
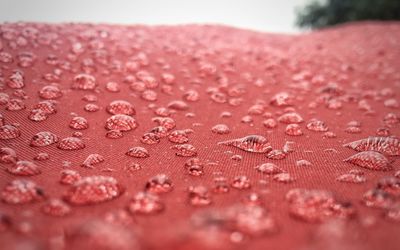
x,y
318,14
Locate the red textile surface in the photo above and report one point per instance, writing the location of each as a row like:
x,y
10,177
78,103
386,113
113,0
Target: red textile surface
x,y
340,75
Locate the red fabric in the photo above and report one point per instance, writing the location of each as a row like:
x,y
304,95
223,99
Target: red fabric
x,y
354,65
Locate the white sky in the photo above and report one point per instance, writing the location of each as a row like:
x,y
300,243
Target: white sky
x,y
263,15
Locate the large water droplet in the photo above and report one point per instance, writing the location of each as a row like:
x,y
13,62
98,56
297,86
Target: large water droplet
x,y
43,138
250,143
24,168
21,192
93,190
121,122
371,160
71,143
385,145
9,132
120,107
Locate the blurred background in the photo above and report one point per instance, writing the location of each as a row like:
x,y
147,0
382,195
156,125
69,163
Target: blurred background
x,y
284,16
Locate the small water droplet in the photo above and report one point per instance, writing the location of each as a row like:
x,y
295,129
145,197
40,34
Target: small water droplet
x,y
79,123
221,129
185,150
159,184
56,207
199,196
138,152
241,182
91,160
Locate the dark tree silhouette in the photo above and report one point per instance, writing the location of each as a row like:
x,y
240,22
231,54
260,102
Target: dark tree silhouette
x,y
318,14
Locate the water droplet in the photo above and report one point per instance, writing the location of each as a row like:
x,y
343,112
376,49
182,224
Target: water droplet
x,y
165,122
317,206
44,138
9,132
79,123
149,95
24,168
84,82
92,190
114,134
48,107
98,234
290,118
69,177
91,107
15,105
329,135
145,203
354,176
37,115
303,163
150,138
194,166
113,87
138,152
293,130
160,131
121,122
371,160
21,192
317,126
185,150
191,96
159,184
56,207
120,107
16,80
199,196
385,145
276,154
179,136
71,143
42,156
241,182
8,155
269,168
178,105
282,99
250,143
50,92
92,159
252,220
221,129
378,198
283,178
